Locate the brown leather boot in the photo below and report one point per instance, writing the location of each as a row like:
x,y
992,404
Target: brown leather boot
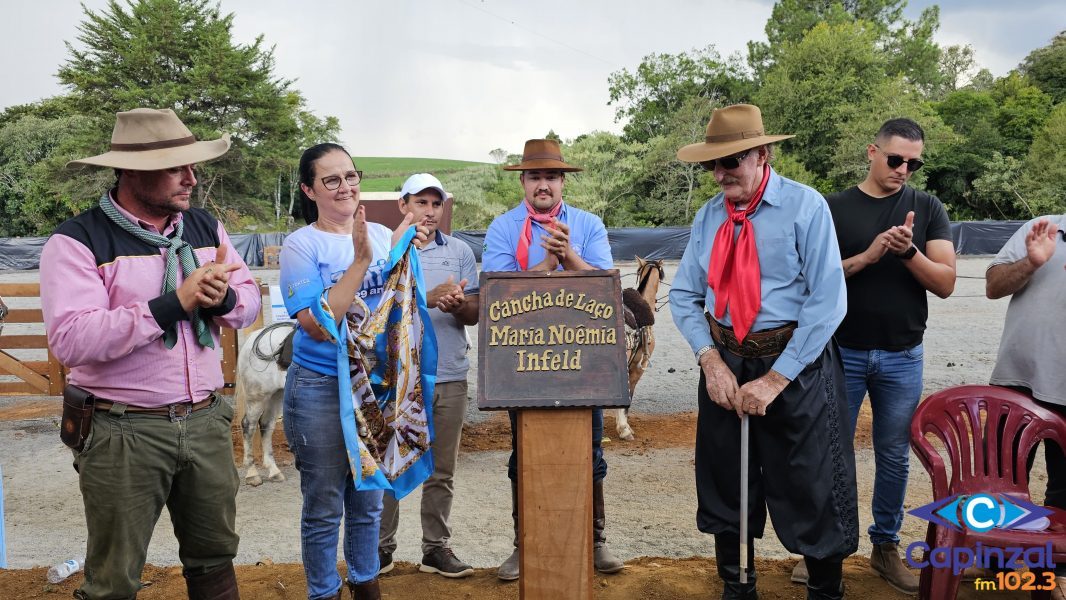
x,y
368,590
885,561
217,584
602,558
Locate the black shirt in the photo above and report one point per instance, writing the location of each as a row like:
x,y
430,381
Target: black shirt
x,y
887,307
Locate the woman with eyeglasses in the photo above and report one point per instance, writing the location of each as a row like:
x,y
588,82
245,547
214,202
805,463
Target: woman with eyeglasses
x,y
337,251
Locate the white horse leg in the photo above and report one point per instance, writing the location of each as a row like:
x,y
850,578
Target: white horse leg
x,y
266,436
248,428
625,432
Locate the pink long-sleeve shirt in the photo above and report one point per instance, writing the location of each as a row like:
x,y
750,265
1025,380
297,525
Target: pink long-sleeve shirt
x,y
104,315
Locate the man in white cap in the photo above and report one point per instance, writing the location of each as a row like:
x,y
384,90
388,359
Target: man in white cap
x,y
134,292
450,272
757,295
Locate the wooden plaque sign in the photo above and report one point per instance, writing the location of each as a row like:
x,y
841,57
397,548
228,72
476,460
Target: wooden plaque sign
x,y
551,340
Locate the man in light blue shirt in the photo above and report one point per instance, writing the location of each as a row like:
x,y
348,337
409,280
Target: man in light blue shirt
x,y
763,261
544,234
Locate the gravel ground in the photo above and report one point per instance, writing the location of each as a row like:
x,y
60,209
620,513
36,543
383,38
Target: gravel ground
x,y
651,495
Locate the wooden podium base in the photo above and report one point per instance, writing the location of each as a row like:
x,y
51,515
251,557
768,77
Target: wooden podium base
x,y
555,503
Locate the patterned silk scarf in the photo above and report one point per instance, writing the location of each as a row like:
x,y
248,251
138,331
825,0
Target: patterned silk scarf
x,y
179,252
733,272
524,240
387,369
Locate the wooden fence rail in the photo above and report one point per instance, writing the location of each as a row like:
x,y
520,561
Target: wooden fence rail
x,y
48,377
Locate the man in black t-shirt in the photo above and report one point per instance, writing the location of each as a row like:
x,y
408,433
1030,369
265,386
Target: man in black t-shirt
x,y
895,242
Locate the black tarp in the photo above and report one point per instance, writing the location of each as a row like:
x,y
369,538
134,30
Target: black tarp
x,y
970,237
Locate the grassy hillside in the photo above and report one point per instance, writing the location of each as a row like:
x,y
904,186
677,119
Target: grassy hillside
x,y
385,174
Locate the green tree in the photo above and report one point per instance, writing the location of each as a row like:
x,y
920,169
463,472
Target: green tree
x,y
819,85
1046,67
1023,108
611,169
999,188
646,98
30,148
1044,169
181,54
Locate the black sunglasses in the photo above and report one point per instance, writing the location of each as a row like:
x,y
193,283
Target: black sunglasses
x,y
895,160
728,163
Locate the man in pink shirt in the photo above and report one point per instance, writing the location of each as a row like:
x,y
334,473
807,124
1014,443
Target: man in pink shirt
x,y
134,292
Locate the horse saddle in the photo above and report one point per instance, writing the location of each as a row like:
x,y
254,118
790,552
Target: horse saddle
x,y
285,351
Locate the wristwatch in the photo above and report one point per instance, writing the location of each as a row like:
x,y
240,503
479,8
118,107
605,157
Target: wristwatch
x,y
908,253
702,351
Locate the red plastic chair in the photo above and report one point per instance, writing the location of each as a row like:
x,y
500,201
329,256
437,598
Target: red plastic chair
x,y
985,458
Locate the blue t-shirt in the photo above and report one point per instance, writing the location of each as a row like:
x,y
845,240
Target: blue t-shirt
x,y
588,238
312,261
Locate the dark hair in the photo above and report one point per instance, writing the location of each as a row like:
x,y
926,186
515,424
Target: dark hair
x,y
308,208
904,128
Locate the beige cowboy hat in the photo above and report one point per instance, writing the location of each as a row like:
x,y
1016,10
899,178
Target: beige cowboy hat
x,y
732,129
542,155
147,139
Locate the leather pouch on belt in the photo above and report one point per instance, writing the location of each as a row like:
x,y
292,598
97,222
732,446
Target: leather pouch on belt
x,y
77,416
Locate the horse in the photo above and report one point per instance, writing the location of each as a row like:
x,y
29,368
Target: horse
x,y
260,388
640,305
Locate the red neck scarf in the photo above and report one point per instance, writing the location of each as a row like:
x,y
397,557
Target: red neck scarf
x,y
733,272
522,253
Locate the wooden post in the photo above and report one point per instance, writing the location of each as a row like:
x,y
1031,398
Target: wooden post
x,y
555,503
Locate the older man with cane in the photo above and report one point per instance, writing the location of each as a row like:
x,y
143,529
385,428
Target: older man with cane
x,y
762,260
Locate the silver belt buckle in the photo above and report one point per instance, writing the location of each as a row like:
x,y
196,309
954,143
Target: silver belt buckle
x,y
175,416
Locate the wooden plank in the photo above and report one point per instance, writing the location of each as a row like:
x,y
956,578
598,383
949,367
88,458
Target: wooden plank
x,y
228,341
24,315
38,366
20,290
23,341
20,388
57,376
12,365
555,504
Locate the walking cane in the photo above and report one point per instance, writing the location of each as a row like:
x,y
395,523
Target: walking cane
x,y
744,498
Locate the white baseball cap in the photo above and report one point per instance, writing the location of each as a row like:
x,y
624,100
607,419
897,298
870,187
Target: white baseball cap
x,y
422,181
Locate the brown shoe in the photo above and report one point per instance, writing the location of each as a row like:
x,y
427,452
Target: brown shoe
x,y
885,561
799,572
1059,593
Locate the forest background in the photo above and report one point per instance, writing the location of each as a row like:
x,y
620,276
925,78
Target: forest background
x,y
830,72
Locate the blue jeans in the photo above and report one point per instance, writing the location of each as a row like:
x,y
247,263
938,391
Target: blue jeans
x,y
313,429
894,380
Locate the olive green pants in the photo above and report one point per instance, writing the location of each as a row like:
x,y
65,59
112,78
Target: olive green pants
x,y
134,464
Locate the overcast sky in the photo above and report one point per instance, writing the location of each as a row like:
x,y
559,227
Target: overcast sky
x,y
457,78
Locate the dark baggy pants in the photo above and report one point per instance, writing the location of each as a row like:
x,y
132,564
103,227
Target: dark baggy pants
x,y
802,465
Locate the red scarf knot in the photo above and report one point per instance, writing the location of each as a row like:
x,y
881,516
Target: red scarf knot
x,y
524,240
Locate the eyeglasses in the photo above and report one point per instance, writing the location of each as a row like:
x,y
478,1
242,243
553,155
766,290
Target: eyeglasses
x,y
728,163
332,182
895,160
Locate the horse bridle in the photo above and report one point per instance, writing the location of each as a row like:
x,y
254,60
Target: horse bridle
x,y
642,280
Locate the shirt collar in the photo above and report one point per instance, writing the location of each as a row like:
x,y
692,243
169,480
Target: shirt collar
x,y
438,240
771,195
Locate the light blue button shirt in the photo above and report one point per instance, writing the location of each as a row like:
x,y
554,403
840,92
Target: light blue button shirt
x,y
802,278
588,238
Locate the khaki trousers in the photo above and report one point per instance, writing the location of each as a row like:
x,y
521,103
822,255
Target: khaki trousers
x,y
449,409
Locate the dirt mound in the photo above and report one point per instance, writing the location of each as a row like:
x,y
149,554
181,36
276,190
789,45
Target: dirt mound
x,y
643,578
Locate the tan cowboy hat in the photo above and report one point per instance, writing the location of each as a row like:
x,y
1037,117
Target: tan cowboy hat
x,y
146,139
732,129
542,155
